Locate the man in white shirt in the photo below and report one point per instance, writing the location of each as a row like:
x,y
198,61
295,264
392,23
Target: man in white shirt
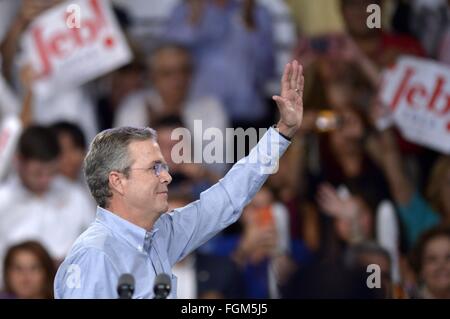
x,y
36,204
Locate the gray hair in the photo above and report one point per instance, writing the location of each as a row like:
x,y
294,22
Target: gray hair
x,y
109,152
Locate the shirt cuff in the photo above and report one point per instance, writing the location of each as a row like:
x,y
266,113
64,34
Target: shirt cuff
x,y
268,151
286,137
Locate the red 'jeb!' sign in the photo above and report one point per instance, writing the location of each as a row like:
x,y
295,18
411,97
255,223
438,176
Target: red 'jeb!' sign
x,y
418,92
65,57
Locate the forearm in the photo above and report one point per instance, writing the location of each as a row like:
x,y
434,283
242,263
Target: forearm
x,y
370,70
222,204
399,184
26,115
9,46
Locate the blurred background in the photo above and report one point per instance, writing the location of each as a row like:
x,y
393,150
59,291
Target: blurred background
x,y
363,183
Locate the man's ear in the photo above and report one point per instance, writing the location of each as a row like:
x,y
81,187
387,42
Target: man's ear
x,y
116,182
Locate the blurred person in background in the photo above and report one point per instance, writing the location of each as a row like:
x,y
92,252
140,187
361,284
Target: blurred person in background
x,y
73,149
361,51
260,246
379,46
232,39
352,218
345,161
114,88
428,21
329,280
37,204
431,260
188,178
28,272
344,185
170,70
289,186
417,212
368,253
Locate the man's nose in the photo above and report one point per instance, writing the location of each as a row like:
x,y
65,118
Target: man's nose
x,y
165,177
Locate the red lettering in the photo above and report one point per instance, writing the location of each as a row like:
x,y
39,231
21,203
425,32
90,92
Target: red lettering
x,y
447,107
100,18
42,51
437,92
401,89
66,41
86,34
58,44
410,97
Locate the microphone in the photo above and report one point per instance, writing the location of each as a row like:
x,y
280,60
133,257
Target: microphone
x,y
162,286
125,288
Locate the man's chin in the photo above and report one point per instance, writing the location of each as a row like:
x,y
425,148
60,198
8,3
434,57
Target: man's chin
x,y
164,208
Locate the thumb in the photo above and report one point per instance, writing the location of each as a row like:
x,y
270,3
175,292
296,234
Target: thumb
x,y
278,99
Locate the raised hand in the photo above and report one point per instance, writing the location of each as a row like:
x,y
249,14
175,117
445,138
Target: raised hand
x,y
335,206
290,101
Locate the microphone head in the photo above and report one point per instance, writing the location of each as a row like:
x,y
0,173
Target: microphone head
x,y
162,286
125,287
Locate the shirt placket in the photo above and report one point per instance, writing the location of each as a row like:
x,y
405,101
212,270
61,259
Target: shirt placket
x,y
151,250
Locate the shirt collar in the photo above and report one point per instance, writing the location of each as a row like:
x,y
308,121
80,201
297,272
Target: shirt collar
x,y
136,236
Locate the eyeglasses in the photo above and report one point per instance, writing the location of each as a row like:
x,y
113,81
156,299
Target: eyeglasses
x,y
157,168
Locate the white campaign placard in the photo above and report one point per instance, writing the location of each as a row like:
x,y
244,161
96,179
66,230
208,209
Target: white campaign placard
x,y
418,93
73,43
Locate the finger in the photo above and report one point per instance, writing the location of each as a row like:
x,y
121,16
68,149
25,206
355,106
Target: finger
x,y
300,91
300,78
330,195
294,75
279,100
285,78
324,198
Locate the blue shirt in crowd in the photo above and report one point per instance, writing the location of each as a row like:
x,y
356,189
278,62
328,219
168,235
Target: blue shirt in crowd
x,y
232,62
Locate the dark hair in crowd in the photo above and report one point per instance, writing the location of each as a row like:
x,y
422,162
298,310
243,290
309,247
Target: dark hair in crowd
x,y
418,253
73,130
44,259
38,143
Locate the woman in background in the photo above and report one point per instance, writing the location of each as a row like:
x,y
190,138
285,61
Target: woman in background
x,y
28,272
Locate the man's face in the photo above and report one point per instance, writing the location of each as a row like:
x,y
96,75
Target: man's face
x,y
171,74
37,175
143,190
71,159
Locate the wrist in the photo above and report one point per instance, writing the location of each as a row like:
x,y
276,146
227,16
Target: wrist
x,y
285,131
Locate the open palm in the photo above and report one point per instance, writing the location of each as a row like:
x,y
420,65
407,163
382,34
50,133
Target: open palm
x,y
290,101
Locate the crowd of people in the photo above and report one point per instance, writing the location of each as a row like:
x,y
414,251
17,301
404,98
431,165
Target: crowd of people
x,y
346,194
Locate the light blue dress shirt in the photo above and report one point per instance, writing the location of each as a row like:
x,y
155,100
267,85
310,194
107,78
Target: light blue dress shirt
x,y
112,246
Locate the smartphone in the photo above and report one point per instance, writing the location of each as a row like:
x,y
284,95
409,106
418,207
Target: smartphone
x,y
265,216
